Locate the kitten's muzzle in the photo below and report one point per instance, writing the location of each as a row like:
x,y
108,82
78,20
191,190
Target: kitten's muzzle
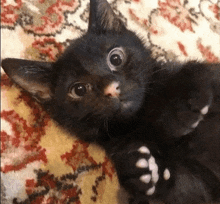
x,y
112,90
124,102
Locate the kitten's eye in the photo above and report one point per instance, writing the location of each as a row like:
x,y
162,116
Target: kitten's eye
x,y
116,58
78,90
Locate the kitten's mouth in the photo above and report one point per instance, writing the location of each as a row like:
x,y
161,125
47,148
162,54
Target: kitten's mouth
x,y
127,104
127,108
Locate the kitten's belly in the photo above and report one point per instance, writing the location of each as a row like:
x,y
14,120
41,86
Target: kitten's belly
x,y
210,160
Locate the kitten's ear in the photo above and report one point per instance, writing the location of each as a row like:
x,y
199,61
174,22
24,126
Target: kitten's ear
x,y
102,18
33,76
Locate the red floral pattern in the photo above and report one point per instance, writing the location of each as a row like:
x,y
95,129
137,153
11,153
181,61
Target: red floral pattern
x,y
48,48
143,22
182,48
207,53
9,13
216,10
51,22
176,13
49,189
78,156
22,146
54,18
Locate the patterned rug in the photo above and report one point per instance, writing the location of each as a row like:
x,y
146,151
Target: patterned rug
x,y
40,162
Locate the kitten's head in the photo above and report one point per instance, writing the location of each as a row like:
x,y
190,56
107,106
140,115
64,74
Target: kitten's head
x,y
100,77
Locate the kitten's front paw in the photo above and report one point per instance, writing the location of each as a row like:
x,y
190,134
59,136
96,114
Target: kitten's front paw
x,y
202,113
139,171
151,175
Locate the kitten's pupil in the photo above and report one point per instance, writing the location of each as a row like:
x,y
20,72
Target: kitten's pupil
x,y
115,60
80,89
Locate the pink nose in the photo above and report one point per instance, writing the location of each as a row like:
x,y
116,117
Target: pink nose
x,y
112,90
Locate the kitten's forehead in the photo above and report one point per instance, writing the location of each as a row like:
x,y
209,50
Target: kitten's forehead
x,y
97,44
91,50
87,56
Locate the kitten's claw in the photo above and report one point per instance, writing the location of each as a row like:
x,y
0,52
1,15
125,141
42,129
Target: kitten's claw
x,y
204,110
145,178
151,191
143,150
154,169
166,174
194,125
142,163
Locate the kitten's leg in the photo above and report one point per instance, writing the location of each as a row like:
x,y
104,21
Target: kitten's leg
x,y
140,169
193,183
148,177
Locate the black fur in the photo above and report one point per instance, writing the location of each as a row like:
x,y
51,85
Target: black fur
x,y
156,108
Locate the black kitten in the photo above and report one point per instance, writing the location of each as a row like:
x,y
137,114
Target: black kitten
x,y
159,123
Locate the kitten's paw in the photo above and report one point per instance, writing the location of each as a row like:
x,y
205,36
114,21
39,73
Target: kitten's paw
x,y
148,163
151,176
189,96
192,124
184,118
139,171
202,113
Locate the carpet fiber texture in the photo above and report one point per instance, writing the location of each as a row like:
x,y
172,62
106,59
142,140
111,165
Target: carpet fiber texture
x,y
40,162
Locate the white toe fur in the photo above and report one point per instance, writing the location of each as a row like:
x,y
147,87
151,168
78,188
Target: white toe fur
x,y
151,191
166,174
154,169
194,125
142,163
144,150
145,178
205,110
